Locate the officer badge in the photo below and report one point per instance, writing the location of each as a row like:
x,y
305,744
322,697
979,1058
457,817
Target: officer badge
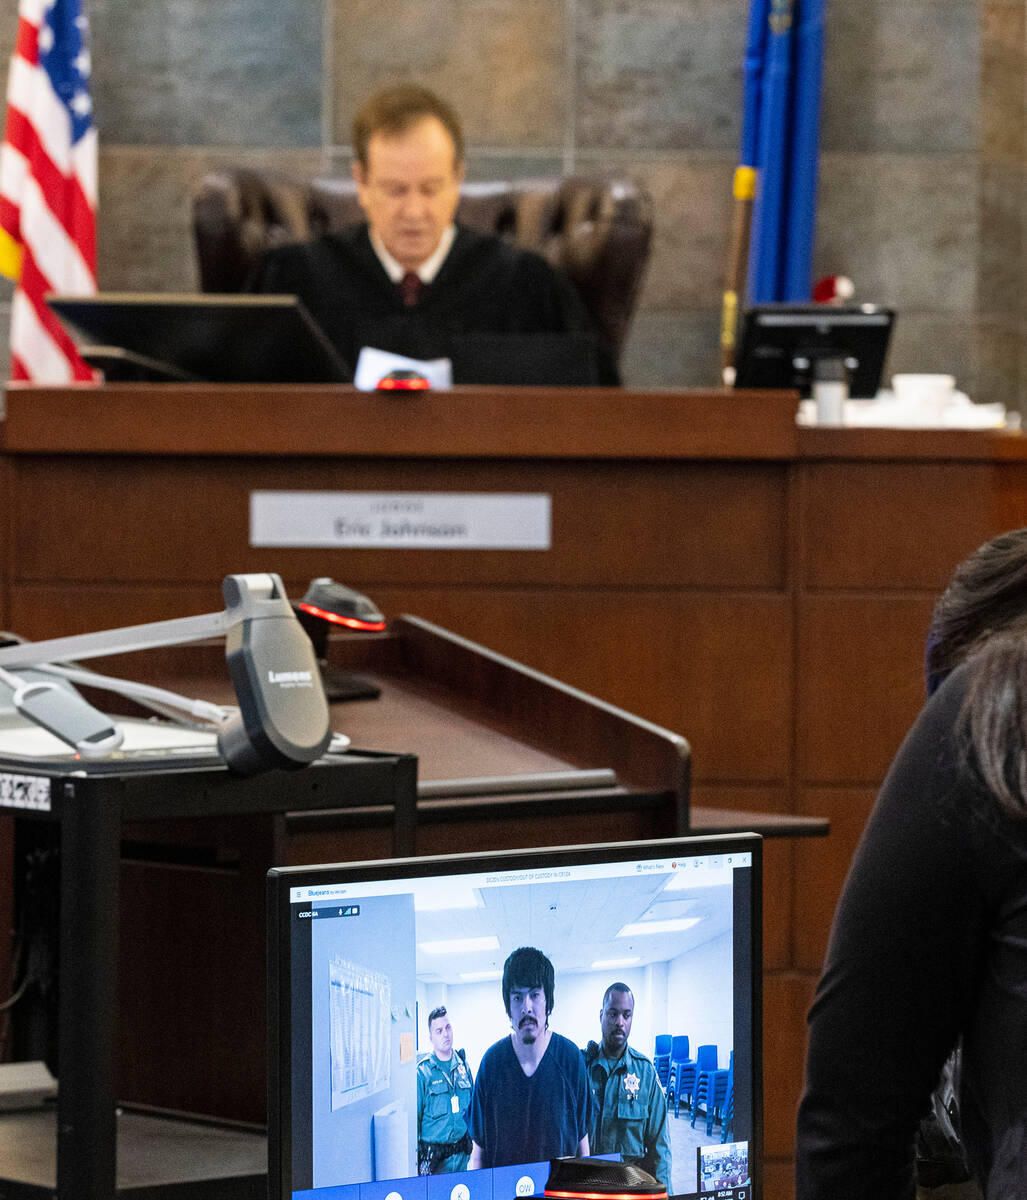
x,y
631,1085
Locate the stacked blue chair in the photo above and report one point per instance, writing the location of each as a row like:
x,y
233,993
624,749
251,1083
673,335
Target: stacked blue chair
x,y
678,1061
661,1058
705,1060
728,1119
711,1089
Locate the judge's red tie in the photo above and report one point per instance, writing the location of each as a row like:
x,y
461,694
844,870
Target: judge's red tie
x,y
410,288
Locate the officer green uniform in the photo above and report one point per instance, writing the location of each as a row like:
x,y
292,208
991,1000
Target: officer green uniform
x,y
629,1111
443,1098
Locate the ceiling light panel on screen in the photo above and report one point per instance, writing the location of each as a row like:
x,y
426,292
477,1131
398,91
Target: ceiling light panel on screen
x,y
673,926
444,896
459,945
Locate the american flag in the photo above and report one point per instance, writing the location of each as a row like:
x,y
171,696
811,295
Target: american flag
x,y
48,186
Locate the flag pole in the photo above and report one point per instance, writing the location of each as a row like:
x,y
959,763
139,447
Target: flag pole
x,y
744,192
743,187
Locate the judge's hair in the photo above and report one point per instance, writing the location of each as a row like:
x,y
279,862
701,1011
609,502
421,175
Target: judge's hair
x,y
981,619
394,110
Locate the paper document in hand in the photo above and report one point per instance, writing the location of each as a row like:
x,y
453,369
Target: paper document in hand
x,y
373,365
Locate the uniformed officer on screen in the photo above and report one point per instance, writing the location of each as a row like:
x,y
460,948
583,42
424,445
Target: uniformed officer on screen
x,y
629,1109
444,1086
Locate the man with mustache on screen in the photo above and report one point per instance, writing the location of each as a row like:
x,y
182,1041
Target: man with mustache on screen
x,y
530,1101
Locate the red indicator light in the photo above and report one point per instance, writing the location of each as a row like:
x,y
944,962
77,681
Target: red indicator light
x,y
349,622
403,385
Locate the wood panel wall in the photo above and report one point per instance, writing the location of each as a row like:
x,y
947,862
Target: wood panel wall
x,y
761,589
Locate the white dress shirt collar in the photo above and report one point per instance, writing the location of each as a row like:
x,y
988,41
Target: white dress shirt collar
x,y
427,271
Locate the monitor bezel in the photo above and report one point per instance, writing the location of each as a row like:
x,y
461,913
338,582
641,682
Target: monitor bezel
x,y
281,880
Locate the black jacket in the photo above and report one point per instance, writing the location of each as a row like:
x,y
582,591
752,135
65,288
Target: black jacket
x,y
929,943
485,286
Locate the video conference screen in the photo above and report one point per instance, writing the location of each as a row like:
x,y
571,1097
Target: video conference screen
x,y
442,1028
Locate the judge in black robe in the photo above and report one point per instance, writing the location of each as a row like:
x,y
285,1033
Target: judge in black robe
x,y
484,286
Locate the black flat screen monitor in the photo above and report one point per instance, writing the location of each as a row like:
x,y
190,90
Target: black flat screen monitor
x,y
208,338
360,955
780,343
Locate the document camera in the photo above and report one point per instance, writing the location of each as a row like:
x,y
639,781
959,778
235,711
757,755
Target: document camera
x,y
282,720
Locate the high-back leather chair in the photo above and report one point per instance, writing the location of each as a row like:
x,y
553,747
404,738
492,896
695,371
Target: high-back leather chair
x,y
597,231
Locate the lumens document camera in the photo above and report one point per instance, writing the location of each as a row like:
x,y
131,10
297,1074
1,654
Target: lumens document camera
x,y
281,721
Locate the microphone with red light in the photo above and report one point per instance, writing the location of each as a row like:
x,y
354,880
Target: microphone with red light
x,y
327,605
340,605
402,380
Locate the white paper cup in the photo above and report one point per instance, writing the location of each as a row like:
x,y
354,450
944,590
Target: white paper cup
x,y
931,390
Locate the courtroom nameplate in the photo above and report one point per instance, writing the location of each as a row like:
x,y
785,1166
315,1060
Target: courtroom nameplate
x,y
402,520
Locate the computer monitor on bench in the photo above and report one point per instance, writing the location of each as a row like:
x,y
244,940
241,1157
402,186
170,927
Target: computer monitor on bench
x,y
360,954
786,345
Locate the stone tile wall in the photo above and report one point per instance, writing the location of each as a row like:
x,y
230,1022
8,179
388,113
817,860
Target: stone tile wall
x,y
921,197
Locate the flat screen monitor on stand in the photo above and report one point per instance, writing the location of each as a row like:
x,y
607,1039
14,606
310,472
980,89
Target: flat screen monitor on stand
x,y
206,338
359,955
827,352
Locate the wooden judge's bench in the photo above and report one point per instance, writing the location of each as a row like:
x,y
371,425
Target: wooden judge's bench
x,y
761,589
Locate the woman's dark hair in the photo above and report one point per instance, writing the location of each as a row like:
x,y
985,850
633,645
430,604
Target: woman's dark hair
x,y
528,968
981,619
